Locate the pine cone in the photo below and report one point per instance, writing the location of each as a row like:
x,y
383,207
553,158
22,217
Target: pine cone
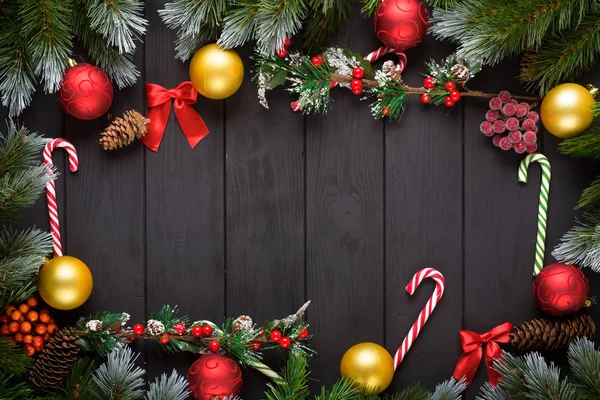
x,y
243,323
551,333
460,73
56,360
392,71
123,131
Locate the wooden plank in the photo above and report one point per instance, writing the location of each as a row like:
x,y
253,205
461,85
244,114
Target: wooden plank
x,y
344,219
184,204
423,221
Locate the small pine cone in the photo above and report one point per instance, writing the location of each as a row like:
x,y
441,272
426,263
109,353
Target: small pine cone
x,y
56,360
460,73
123,131
155,327
243,323
551,333
392,71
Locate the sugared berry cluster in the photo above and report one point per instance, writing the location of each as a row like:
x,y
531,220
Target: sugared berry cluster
x,y
28,326
450,86
512,124
283,52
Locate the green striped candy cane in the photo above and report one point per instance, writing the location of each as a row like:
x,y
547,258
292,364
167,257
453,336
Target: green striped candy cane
x,y
540,243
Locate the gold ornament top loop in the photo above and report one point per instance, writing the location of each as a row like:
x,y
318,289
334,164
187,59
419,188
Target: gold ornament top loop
x,y
592,89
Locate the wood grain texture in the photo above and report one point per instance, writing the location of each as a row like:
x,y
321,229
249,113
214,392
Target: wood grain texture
x,y
184,204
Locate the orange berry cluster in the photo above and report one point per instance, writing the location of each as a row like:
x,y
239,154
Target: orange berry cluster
x,y
28,326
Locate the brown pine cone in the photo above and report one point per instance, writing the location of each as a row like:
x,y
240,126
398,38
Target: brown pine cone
x,y
243,323
551,333
56,360
123,131
392,71
460,73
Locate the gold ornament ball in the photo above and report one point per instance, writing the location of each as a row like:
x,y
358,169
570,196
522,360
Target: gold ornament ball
x,y
216,73
370,365
65,282
567,110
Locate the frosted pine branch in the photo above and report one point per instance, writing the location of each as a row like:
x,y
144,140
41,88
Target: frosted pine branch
x,y
581,245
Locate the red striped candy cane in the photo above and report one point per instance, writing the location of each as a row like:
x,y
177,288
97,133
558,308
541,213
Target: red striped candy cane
x,y
425,313
51,187
382,51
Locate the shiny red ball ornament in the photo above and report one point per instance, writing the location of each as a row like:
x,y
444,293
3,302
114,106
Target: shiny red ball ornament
x,y
197,330
425,98
180,328
316,61
429,83
401,24
303,334
560,289
164,339
86,92
285,342
455,95
448,102
450,86
256,346
138,329
207,330
214,346
275,335
282,53
214,375
358,72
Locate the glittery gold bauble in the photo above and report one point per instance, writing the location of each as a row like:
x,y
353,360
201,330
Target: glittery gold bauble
x,y
216,73
65,282
369,365
567,110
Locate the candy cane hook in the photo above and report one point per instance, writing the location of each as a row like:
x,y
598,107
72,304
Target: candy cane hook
x,y
540,243
51,187
425,312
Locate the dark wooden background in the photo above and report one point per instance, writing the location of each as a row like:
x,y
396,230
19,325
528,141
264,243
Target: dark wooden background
x,y
274,208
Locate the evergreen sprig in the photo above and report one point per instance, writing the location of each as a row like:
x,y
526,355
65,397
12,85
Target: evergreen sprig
x,y
323,23
118,378
581,245
77,385
586,145
102,341
12,390
172,387
13,360
591,195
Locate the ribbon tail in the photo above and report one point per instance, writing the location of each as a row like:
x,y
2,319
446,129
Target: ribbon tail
x,y
492,353
158,116
191,123
467,366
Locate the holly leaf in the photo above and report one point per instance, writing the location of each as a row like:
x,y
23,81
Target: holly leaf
x,y
278,79
364,64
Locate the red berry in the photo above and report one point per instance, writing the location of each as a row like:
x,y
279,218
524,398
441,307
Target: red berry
x,y
322,58
492,115
496,140
448,102
509,109
499,126
164,339
512,124
303,334
429,83
450,86
531,148
287,42
519,147
358,72
282,53
515,102
285,342
180,328
486,128
425,98
522,110
356,83
207,330
386,110
515,137
529,125
197,330
505,144
504,96
295,105
138,329
455,95
316,61
256,346
131,338
495,103
275,335
532,115
529,137
214,346
357,91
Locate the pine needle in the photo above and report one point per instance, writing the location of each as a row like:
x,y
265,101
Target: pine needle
x,y
172,387
581,245
590,195
584,360
118,377
323,23
12,358
586,145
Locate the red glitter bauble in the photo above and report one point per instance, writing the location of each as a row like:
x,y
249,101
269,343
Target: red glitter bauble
x,y
86,92
401,24
214,375
560,289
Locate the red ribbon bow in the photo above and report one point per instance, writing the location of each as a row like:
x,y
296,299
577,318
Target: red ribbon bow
x,y
159,101
472,344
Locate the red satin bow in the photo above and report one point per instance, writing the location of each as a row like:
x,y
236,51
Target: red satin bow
x,y
159,101
472,344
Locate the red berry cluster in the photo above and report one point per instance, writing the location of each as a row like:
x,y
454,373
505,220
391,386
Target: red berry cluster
x,y
507,115
283,52
317,60
283,341
356,85
27,326
450,86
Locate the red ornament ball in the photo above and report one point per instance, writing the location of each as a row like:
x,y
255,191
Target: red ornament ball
x,y
214,375
138,329
86,92
401,24
560,289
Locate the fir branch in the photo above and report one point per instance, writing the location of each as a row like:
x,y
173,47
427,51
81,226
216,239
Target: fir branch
x,y
449,390
323,23
20,189
343,389
581,245
118,377
19,149
584,360
119,21
295,377
172,387
12,358
239,25
586,145
488,392
591,195
102,341
47,28
12,390
276,20
370,6
187,44
563,57
77,385
18,295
